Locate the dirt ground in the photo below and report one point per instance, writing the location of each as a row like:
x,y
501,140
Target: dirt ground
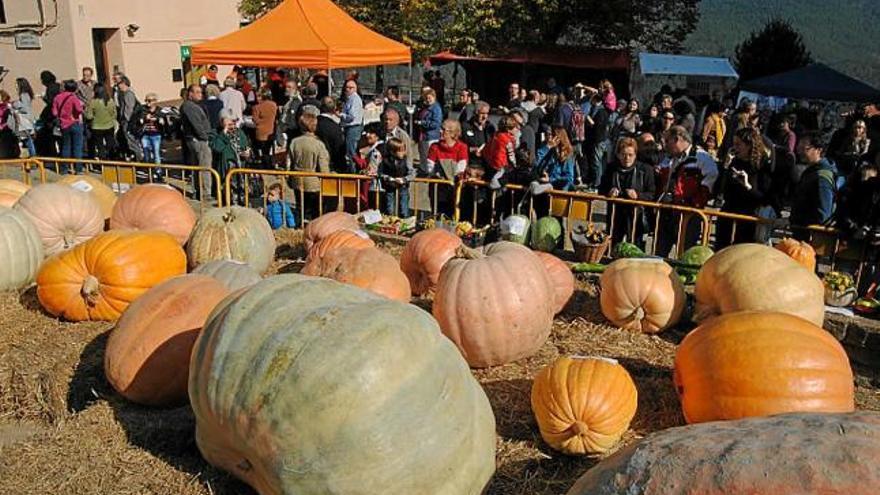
x,y
64,431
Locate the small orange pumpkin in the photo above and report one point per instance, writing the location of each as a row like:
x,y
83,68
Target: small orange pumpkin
x,y
799,251
154,207
644,295
424,256
148,352
583,405
560,276
368,268
356,239
98,279
327,224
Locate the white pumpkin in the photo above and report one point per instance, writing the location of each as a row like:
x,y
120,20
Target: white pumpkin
x,y
63,216
21,250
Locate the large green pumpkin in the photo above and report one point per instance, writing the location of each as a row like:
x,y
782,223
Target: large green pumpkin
x,y
545,235
305,385
515,228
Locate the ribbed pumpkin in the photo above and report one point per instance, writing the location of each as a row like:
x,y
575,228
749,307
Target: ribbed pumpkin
x,y
583,405
496,306
754,277
232,233
10,191
154,207
148,352
21,250
424,257
305,385
233,274
561,278
102,193
644,295
327,224
98,279
368,268
755,363
799,251
63,216
355,239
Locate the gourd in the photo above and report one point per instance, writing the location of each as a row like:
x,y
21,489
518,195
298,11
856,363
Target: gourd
x,y
148,352
327,224
232,274
309,386
356,239
583,405
102,193
63,216
754,277
98,279
232,233
369,268
755,363
154,207
21,250
424,257
497,306
799,251
560,277
644,295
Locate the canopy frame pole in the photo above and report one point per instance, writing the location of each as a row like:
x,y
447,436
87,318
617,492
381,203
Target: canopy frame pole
x,y
329,81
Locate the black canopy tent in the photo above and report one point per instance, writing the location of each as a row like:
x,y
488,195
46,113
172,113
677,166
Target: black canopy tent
x,y
814,82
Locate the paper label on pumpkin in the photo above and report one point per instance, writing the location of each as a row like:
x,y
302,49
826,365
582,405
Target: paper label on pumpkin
x,y
82,185
514,226
361,234
372,216
598,358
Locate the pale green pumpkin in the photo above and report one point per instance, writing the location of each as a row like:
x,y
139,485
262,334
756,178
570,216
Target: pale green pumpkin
x,y
233,233
303,385
21,250
231,273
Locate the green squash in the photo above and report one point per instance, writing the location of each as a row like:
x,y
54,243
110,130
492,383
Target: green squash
x,y
305,385
515,228
625,249
697,255
546,234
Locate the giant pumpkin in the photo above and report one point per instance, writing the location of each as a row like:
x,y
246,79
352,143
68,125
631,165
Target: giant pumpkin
x,y
21,250
102,193
424,257
63,216
496,306
305,385
583,405
369,268
755,363
799,251
232,233
98,279
754,277
560,276
148,352
356,239
10,191
644,295
233,274
326,224
154,207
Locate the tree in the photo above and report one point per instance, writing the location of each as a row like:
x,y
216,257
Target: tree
x,y
776,48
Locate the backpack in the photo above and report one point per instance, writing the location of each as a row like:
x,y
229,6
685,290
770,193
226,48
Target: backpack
x,y
577,126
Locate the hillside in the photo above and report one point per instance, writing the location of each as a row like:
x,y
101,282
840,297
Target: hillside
x,y
842,34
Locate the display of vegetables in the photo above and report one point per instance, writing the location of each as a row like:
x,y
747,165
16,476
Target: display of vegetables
x,y
588,234
838,281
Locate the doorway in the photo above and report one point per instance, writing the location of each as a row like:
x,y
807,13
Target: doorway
x,y
107,54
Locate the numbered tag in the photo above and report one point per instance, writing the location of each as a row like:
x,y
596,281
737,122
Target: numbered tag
x,y
372,216
82,185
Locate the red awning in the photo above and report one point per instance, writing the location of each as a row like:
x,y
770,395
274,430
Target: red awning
x,y
581,58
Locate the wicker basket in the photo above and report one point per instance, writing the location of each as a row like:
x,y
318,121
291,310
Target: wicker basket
x,y
591,253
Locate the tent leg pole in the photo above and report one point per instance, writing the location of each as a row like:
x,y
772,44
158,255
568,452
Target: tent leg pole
x,y
410,81
329,82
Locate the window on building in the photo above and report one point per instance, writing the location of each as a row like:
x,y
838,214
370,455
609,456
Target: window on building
x,y
2,13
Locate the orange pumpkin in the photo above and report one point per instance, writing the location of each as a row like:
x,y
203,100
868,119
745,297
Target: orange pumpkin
x,y
424,257
496,305
64,217
98,279
327,224
10,191
368,268
148,352
154,207
583,405
102,193
644,295
355,239
799,251
756,363
560,276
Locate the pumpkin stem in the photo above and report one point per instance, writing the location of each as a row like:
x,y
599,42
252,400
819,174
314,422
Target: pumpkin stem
x,y
579,428
468,253
228,216
89,289
69,239
639,314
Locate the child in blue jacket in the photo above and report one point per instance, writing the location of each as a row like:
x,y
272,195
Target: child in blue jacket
x,y
278,211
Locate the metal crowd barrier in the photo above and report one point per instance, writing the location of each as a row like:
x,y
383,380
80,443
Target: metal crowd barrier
x,y
23,170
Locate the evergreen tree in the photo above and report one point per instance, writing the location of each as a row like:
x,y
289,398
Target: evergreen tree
x,y
776,48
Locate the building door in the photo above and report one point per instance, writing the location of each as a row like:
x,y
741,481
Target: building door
x,y
107,53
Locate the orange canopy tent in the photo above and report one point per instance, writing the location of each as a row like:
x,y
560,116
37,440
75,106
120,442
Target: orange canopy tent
x,y
313,34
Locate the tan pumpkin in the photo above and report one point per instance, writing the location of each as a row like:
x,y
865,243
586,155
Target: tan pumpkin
x,y
644,295
21,250
560,276
148,352
232,233
754,277
583,405
99,278
369,268
496,305
10,191
63,216
154,207
757,363
356,239
799,251
102,193
327,224
424,257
